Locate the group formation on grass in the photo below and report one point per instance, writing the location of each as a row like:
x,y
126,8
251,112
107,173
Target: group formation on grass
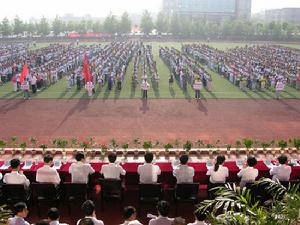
x,y
257,67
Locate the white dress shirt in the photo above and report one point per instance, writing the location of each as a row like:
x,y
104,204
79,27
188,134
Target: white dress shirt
x,y
218,176
184,174
148,173
17,221
281,172
80,172
197,223
112,171
161,220
56,222
16,177
46,174
96,222
133,222
248,175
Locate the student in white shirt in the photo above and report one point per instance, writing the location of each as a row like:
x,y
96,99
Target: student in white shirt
x,y
184,173
16,176
80,170
282,172
88,208
47,174
248,174
129,214
148,171
218,173
20,212
112,170
199,218
163,208
53,216
86,221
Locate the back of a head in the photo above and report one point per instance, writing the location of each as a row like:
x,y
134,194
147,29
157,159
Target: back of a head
x,y
88,208
42,222
148,157
19,207
183,159
282,159
163,207
178,221
220,161
86,221
79,156
112,157
48,159
14,163
128,212
251,161
53,214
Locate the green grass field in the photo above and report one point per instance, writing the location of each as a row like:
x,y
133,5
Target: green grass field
x,y
222,88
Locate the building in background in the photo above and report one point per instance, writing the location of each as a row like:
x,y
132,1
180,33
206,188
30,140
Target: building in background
x,y
283,15
209,9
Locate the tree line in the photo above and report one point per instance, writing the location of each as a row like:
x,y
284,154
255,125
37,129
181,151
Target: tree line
x,y
177,25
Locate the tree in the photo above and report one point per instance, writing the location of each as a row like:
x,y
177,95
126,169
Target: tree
x,y
174,24
147,23
58,26
97,26
125,24
18,26
162,23
43,27
5,27
110,24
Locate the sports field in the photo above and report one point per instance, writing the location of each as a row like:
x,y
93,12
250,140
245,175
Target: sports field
x,y
222,88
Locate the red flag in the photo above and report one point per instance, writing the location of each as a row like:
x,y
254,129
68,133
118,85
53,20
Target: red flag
x,y
24,73
86,69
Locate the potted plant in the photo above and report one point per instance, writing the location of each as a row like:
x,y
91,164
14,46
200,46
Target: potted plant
x,y
199,143
228,147
248,143
147,145
33,142
136,143
296,143
13,140
177,143
23,146
187,146
156,145
210,152
43,147
104,149
74,142
264,146
2,146
61,143
113,144
272,145
282,144
5,213
125,147
167,147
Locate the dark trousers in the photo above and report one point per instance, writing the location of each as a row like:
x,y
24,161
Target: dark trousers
x,y
197,94
145,94
33,88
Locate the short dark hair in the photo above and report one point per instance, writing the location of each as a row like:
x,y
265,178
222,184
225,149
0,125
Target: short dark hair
x,y
86,221
88,207
79,156
184,159
251,161
53,214
163,207
14,163
282,159
48,158
42,222
128,212
112,157
19,207
148,157
178,221
200,215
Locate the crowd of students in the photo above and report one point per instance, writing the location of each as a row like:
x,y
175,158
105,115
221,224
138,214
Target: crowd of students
x,y
255,67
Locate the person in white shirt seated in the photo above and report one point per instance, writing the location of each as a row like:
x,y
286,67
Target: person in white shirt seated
x,y
16,176
47,174
218,173
148,172
89,210
129,214
53,216
282,172
248,174
163,208
112,170
199,218
184,173
80,170
20,212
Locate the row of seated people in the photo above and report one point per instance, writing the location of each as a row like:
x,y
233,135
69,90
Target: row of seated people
x,y
148,172
88,207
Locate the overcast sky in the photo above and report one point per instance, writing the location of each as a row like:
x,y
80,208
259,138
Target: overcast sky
x,y
101,8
